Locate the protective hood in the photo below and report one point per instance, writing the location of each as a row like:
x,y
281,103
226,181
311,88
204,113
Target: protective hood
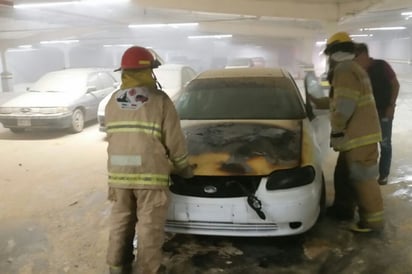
x,y
243,148
138,78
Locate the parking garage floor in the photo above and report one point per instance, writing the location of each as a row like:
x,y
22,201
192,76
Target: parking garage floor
x,y
54,216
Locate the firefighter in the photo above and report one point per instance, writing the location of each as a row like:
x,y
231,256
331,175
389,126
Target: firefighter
x,y
355,135
145,145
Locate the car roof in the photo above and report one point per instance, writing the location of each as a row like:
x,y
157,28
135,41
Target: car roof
x,y
171,67
88,69
76,70
243,72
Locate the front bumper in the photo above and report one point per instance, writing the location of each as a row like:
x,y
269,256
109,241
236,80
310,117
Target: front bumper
x,y
57,121
288,212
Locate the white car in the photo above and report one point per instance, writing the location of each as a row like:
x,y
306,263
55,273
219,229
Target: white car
x,y
172,78
59,99
256,157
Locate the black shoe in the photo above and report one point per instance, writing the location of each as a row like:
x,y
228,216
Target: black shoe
x,y
340,214
383,180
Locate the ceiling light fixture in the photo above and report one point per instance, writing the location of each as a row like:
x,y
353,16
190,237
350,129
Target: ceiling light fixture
x,y
59,42
43,4
321,43
177,25
218,36
361,35
21,48
118,45
383,28
25,47
408,15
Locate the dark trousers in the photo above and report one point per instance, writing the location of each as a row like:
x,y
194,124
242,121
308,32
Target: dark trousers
x,y
385,147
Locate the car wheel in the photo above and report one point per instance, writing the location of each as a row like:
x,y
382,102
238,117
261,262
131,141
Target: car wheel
x,y
17,130
77,121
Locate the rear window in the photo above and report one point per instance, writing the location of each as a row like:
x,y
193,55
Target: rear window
x,y
240,98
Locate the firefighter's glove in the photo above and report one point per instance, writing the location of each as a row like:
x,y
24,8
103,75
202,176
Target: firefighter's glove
x,y
187,172
336,140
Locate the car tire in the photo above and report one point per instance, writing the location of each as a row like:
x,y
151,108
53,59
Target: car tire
x,y
17,130
77,124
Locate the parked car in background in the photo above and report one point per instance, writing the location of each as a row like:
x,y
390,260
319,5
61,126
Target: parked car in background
x,y
172,78
59,99
245,62
256,157
324,82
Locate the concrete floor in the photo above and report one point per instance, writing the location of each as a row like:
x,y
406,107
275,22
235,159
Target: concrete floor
x,y
54,216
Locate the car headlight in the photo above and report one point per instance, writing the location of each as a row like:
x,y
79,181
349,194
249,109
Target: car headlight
x,y
53,110
289,178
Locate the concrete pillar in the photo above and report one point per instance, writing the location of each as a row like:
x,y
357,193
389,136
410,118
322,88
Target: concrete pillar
x,y
6,77
66,51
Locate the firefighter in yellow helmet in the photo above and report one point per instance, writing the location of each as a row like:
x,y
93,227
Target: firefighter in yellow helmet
x,y
355,134
145,145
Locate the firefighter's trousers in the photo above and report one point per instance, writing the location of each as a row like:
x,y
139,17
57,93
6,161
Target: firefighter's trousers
x,y
148,208
356,185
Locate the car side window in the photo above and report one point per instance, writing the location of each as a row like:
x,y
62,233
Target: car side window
x,y
106,80
94,81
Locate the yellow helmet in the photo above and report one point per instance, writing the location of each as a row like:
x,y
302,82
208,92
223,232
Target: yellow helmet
x,y
337,38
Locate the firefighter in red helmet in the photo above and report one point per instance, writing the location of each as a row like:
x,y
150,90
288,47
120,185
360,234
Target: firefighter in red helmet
x,y
145,145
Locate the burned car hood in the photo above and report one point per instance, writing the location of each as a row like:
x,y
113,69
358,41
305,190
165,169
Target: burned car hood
x,y
227,148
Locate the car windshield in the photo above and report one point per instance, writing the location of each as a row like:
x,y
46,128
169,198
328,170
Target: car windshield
x,y
61,81
240,98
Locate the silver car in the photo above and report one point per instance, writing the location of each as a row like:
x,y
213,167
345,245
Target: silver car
x,y
64,99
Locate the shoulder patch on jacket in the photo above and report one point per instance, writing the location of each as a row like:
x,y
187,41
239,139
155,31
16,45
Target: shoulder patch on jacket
x,y
132,98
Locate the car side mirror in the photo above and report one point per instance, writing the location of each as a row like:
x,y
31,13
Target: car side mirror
x,y
312,88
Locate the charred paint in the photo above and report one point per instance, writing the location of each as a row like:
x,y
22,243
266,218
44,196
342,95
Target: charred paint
x,y
229,148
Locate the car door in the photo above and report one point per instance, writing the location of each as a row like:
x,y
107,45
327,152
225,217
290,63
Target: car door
x,y
100,84
319,117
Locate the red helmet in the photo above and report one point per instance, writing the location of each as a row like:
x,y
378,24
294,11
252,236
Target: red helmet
x,y
137,58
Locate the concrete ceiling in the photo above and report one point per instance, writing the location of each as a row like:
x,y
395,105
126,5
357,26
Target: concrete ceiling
x,y
103,22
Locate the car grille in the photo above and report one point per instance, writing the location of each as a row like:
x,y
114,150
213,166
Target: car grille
x,y
215,186
219,228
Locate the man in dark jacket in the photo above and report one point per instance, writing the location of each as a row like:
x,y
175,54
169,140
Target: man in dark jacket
x,y
385,88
